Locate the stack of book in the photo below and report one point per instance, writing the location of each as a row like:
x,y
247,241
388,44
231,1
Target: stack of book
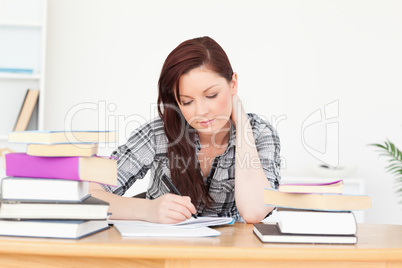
x,y
312,213
46,191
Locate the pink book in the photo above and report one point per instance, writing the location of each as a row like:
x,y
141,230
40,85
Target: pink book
x,y
94,169
334,187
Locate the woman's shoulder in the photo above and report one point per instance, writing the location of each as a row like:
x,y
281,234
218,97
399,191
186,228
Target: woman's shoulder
x,y
156,125
258,120
152,129
260,124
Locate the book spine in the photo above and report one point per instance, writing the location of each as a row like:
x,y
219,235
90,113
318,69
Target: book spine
x,y
23,165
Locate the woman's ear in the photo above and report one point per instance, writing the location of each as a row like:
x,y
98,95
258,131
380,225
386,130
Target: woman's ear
x,y
234,84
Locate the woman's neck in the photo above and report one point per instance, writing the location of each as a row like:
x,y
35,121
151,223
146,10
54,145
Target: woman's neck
x,y
218,140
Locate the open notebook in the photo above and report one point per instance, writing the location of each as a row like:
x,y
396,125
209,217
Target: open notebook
x,y
189,228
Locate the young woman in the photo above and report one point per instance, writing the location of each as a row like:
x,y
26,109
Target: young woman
x,y
219,158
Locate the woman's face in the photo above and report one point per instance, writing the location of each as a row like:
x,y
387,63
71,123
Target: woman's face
x,y
206,99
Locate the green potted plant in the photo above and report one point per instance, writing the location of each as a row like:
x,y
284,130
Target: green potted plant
x,y
394,156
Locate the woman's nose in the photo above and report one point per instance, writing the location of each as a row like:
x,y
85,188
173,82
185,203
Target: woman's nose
x,y
202,109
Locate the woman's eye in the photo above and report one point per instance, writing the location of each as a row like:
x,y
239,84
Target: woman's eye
x,y
212,96
186,103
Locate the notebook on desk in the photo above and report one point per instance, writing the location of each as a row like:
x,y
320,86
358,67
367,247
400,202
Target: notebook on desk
x,y
156,231
192,227
189,223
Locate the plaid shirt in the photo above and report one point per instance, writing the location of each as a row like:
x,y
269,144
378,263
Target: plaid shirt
x,y
147,149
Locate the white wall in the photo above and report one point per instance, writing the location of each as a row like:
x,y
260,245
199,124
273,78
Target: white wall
x,y
292,58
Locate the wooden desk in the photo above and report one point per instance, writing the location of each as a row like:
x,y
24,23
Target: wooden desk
x,y
237,246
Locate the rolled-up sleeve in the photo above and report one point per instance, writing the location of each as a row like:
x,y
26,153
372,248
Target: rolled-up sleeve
x,y
268,147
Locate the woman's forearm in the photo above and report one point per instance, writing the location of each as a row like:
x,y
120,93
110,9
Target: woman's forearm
x,y
250,179
169,208
121,207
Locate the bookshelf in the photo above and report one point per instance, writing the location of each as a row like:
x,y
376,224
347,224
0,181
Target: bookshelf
x,y
23,46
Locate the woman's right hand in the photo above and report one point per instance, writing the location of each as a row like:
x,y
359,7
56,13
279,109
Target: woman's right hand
x,y
170,208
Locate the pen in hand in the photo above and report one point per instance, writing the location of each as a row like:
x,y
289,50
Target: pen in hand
x,y
173,189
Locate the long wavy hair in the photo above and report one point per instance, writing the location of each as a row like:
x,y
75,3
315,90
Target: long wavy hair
x,y
185,173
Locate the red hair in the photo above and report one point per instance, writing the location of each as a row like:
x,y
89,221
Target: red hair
x,y
193,53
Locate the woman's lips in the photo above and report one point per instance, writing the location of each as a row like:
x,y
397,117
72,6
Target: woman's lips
x,y
207,123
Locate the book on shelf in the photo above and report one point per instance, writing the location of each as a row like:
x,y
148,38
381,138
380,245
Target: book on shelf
x,y
316,201
334,187
71,229
316,222
16,70
270,233
27,108
89,209
94,169
29,189
51,137
63,149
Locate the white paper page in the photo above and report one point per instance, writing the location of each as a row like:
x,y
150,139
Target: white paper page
x,y
190,223
155,231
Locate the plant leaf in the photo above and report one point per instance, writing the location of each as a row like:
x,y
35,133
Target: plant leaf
x,y
394,158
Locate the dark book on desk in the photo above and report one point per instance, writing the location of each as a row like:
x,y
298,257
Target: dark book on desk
x,y
27,108
270,233
297,221
89,209
95,169
36,189
72,229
